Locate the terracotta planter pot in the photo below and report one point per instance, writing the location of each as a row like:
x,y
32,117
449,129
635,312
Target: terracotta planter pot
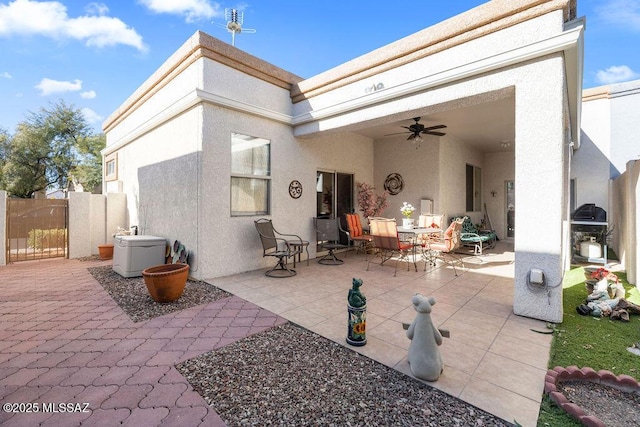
x,y
166,282
105,251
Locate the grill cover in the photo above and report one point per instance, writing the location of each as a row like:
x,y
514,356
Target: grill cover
x,y
590,212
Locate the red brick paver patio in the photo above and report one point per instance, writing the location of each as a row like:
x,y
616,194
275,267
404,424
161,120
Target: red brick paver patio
x,y
64,340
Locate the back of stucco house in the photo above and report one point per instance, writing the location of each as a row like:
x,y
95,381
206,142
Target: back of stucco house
x,y
213,139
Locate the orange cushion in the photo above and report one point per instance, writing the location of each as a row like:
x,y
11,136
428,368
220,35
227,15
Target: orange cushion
x,y
355,227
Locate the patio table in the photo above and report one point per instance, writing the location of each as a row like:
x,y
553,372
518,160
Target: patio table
x,y
414,232
299,245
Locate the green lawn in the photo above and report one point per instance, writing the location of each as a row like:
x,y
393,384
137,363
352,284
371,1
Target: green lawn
x,y
584,341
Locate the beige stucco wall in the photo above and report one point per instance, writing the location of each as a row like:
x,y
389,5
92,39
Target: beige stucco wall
x,y
419,168
625,197
177,177
228,245
79,226
590,166
98,221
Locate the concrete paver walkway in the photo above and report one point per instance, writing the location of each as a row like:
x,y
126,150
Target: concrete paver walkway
x,y
64,340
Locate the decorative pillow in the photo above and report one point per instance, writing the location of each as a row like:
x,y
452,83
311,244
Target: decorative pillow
x,y
434,225
449,232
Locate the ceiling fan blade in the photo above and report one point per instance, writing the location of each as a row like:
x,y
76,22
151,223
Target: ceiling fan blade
x,y
435,127
412,137
434,133
398,133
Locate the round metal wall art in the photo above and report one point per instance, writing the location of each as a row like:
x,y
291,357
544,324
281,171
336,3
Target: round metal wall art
x,y
394,183
295,189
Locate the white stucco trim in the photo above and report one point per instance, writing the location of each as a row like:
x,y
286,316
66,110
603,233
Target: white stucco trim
x,y
245,107
183,104
561,42
187,102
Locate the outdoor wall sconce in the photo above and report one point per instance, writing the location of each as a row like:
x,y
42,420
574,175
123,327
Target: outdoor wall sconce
x,y
493,193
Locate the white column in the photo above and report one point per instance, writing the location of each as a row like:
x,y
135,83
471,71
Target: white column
x,y
540,188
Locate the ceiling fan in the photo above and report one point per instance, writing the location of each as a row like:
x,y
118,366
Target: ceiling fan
x,y
416,129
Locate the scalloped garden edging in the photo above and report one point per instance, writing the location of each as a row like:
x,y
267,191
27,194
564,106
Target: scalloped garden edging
x,y
558,374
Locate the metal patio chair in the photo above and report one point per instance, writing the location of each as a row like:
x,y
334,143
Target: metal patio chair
x,y
384,232
276,244
328,236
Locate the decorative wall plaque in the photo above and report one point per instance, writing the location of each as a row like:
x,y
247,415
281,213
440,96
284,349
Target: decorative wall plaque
x,y
394,183
295,189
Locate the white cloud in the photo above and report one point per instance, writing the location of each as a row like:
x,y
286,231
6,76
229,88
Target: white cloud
x,y
622,13
615,74
6,75
50,19
49,86
97,9
91,116
192,10
90,94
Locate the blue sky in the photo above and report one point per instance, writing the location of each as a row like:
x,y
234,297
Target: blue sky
x,y
93,55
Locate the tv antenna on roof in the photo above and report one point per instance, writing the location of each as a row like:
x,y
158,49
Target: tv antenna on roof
x,y
235,19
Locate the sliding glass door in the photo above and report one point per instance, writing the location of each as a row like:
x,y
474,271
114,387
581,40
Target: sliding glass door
x,y
334,192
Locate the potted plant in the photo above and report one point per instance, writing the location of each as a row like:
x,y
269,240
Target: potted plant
x,y
407,210
166,282
105,251
370,203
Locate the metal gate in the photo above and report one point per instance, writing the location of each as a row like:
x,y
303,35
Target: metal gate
x,y
36,229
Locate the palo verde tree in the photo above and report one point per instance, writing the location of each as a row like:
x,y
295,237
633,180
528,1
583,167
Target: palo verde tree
x,y
48,148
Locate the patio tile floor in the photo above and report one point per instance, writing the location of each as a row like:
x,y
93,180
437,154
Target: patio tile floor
x,y
493,359
63,339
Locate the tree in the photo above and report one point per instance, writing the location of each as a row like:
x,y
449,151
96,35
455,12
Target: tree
x,y
5,143
47,148
89,171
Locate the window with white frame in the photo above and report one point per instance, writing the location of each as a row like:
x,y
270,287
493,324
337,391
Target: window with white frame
x,y
250,175
111,167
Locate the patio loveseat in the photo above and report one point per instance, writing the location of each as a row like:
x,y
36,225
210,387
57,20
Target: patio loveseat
x,y
477,239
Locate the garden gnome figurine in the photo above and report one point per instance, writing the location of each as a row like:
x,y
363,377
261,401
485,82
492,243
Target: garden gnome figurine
x,y
424,356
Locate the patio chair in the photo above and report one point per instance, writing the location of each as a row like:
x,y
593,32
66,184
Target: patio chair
x,y
328,236
447,245
430,221
384,232
276,244
355,234
477,239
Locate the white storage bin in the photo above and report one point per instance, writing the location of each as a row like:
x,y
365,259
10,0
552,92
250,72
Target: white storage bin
x,y
132,254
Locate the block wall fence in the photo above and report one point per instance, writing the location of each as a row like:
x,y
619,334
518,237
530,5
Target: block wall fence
x,y
93,219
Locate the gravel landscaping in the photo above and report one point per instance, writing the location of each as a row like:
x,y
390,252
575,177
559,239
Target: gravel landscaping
x,y
288,375
612,406
132,296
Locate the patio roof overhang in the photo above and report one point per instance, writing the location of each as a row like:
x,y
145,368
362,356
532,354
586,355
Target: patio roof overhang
x,y
483,20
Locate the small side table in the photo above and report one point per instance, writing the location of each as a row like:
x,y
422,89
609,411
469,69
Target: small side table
x,y
297,244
